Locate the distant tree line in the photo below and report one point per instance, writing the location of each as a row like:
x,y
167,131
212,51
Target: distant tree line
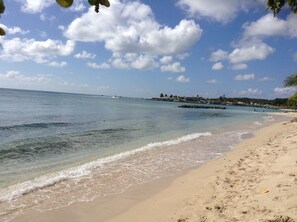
x,y
223,100
278,102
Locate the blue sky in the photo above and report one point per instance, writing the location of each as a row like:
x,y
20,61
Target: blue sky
x,y
143,48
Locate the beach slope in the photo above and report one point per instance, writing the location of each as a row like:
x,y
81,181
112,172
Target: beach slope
x,y
257,181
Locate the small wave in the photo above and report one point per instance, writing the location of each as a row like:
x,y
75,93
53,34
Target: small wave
x,y
268,118
244,135
17,190
35,125
257,123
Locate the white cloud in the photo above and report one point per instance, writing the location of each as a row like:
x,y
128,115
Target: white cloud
x,y
58,64
143,62
14,30
85,55
166,59
218,55
217,66
212,81
264,28
17,50
98,66
16,77
239,66
284,91
217,10
182,79
126,32
119,63
251,92
244,77
174,67
130,28
77,6
74,84
44,17
250,50
35,6
265,79
61,27
133,61
182,56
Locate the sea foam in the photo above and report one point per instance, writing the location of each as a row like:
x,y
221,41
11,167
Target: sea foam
x,y
26,187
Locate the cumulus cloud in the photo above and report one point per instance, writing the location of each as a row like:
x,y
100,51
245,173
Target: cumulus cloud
x,y
284,91
35,6
244,51
218,55
14,30
17,50
239,66
143,62
133,61
85,55
166,59
174,67
251,92
98,66
78,6
280,27
217,10
217,66
244,77
250,50
183,79
130,28
126,33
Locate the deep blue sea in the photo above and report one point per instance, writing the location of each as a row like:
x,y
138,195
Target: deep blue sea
x,y
59,148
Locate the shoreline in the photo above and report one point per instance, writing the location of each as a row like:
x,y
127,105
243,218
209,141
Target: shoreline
x,y
186,197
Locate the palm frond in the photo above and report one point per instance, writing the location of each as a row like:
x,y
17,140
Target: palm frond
x,y
293,98
291,80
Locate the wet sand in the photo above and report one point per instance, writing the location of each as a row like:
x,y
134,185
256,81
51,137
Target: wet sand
x,y
256,181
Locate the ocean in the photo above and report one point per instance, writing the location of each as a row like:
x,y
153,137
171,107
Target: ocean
x,y
58,148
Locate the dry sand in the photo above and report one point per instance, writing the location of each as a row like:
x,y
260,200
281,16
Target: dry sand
x,y
257,181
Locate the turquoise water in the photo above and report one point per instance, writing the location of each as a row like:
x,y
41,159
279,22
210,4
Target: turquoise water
x,y
89,142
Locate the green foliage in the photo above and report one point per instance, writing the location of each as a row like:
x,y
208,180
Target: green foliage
x,y
291,80
293,99
277,5
2,32
65,3
2,7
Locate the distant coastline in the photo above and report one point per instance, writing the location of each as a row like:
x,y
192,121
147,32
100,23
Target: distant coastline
x,y
277,103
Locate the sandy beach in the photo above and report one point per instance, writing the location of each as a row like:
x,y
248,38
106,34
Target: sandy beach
x,y
256,181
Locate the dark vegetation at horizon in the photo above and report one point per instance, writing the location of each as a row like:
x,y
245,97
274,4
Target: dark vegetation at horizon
x,y
239,101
